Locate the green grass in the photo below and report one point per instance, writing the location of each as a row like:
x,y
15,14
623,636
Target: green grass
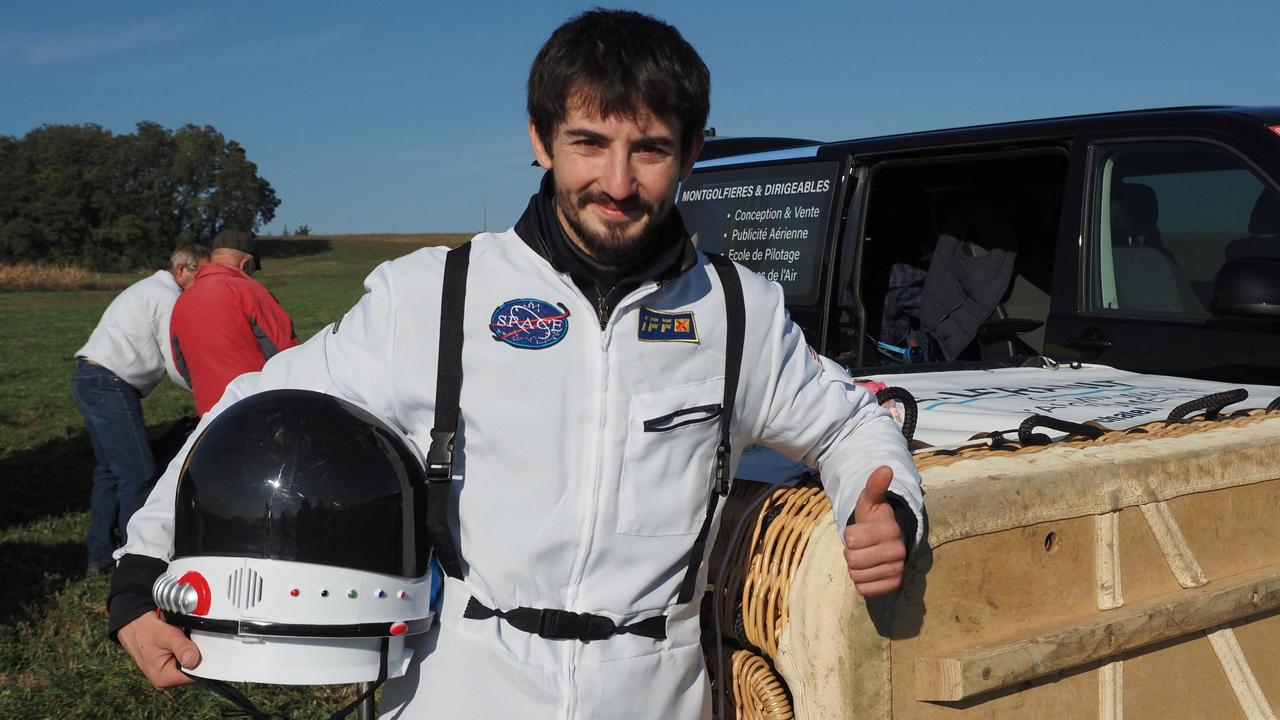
x,y
55,659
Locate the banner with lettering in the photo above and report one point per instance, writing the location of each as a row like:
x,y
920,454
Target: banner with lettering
x,y
772,219
956,406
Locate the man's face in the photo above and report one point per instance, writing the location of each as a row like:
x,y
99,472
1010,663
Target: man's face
x,y
615,178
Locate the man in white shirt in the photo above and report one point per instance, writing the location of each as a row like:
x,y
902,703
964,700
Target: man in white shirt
x,y
124,359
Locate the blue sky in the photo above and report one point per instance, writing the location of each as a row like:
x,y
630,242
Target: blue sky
x,y
409,117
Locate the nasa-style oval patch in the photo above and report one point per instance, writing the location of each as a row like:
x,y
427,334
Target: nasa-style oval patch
x,y
529,323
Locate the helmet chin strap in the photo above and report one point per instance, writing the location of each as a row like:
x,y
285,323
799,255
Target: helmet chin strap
x,y
373,687
251,711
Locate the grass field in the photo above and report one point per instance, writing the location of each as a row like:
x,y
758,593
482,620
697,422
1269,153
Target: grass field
x,y
55,659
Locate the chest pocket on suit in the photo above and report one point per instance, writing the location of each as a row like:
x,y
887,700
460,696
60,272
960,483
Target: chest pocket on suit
x,y
667,465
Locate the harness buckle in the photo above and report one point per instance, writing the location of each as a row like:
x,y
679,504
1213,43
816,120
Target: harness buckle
x,y
556,624
440,456
722,469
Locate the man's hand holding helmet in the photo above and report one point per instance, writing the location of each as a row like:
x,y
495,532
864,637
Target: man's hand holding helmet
x,y
160,650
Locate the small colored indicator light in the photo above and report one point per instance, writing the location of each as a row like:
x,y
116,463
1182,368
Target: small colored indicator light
x,y
324,593
402,594
294,592
204,597
382,593
351,594
399,628
1275,129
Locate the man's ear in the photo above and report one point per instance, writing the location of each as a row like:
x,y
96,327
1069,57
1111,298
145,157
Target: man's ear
x,y
694,152
540,152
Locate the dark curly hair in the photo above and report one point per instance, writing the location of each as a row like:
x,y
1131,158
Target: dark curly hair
x,y
620,62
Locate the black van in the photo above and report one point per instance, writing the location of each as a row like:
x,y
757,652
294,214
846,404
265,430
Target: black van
x,y
1148,240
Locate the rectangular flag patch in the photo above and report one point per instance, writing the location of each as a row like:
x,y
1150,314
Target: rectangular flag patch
x,y
658,326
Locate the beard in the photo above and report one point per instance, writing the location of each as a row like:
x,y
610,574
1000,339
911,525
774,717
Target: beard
x,y
611,245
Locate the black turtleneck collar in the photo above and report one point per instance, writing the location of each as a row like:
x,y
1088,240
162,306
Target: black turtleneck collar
x,y
670,254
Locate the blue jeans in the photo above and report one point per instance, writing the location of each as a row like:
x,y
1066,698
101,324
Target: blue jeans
x,y
125,471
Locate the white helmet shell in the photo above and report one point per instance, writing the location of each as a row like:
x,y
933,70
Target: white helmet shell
x,y
300,552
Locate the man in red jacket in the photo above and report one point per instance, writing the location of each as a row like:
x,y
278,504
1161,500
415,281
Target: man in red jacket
x,y
226,323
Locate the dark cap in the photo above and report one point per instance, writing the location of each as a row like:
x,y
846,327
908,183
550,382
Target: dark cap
x,y
234,240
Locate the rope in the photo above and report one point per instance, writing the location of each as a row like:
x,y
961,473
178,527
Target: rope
x,y
740,507
910,411
1026,437
1212,404
1157,429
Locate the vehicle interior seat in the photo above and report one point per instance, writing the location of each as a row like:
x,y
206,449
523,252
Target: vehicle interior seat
x,y
894,252
1264,229
1014,327
970,274
1142,209
1147,279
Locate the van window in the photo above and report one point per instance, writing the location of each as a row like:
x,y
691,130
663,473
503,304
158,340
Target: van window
x,y
772,219
1165,217
953,262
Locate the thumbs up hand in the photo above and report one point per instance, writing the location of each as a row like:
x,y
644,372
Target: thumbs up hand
x,y
874,547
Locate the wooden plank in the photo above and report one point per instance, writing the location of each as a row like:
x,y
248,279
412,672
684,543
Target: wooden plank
x,y
1176,550
967,672
1106,531
1240,675
1111,691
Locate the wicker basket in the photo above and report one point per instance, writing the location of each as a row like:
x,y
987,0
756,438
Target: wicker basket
x,y
753,593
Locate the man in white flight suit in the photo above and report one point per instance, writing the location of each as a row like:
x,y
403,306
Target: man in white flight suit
x,y
594,375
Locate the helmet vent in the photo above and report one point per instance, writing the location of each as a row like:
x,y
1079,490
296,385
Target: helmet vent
x,y
244,588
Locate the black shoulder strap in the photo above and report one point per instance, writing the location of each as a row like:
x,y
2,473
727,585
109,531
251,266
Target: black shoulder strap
x,y
448,389
735,307
735,324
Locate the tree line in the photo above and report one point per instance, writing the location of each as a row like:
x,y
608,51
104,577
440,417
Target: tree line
x,y
82,195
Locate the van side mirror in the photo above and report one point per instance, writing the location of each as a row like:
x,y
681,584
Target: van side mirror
x,y
1248,288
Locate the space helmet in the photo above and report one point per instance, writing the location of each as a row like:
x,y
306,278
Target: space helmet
x,y
300,549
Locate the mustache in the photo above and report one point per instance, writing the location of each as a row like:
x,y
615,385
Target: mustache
x,y
628,204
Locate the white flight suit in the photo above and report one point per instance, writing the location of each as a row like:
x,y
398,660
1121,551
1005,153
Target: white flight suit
x,y
566,501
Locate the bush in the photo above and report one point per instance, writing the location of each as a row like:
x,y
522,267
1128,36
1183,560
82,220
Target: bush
x,y
79,194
